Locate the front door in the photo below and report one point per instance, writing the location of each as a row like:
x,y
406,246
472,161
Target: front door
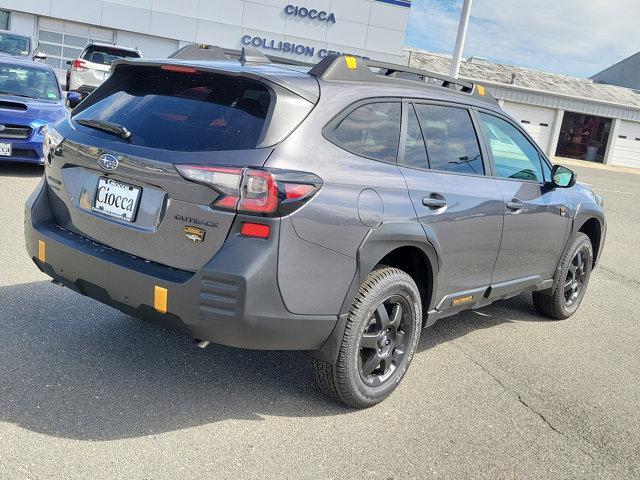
x,y
535,221
458,205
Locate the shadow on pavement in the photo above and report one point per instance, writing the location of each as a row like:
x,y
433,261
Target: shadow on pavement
x,y
21,170
74,368
518,308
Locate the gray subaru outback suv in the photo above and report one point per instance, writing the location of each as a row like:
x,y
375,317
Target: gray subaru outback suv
x,y
337,209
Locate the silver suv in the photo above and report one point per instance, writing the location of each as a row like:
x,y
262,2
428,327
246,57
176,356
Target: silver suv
x,y
93,66
337,209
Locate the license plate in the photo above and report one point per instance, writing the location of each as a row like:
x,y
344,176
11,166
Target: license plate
x,y
116,199
5,149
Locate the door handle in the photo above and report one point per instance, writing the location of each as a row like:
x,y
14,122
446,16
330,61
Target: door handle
x,y
434,201
515,204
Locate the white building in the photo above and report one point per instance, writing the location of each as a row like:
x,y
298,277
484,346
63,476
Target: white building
x,y
568,117
302,29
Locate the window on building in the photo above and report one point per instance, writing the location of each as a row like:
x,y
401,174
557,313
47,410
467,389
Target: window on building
x,y
64,41
452,144
371,131
5,17
514,156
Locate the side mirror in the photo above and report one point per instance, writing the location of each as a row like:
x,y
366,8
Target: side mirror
x,y
562,177
73,99
40,55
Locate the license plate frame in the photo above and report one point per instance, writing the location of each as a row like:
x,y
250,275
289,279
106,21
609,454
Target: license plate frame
x,y
101,204
6,149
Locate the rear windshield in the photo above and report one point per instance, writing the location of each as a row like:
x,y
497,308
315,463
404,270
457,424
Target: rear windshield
x,y
106,55
14,44
185,111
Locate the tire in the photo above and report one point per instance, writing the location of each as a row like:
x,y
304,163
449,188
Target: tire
x,y
571,282
371,337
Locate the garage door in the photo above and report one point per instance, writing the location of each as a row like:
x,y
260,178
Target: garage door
x,y
627,146
63,41
537,121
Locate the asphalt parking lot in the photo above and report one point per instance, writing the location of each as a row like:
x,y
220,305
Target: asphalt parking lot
x,y
87,392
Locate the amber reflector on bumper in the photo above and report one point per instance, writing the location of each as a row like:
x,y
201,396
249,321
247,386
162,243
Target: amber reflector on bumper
x,y
160,299
42,251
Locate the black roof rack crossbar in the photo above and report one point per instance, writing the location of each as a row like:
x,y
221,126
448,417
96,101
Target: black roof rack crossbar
x,y
336,67
197,51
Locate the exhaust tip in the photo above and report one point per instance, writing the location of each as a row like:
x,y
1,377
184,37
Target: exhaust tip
x,y
202,343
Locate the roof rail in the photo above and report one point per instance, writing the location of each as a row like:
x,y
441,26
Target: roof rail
x,y
197,51
351,69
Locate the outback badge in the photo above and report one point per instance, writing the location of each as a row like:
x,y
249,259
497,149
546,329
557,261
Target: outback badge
x,y
195,234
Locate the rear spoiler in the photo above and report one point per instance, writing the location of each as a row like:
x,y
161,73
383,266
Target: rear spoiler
x,y
202,51
220,67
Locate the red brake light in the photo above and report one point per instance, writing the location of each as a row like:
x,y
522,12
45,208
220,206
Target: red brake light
x,y
178,68
294,191
256,230
79,65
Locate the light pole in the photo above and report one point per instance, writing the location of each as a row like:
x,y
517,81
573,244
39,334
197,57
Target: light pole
x,y
462,35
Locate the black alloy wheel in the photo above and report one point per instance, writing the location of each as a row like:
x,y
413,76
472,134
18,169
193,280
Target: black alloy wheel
x,y
384,343
576,276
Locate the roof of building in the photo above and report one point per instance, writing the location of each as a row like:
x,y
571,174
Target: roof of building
x,y
480,70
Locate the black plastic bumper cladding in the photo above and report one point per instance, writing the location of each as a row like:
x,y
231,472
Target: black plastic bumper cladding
x,y
234,300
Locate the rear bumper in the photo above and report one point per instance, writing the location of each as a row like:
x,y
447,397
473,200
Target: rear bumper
x,y
234,300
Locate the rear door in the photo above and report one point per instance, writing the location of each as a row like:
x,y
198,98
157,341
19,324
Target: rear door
x,y
455,199
535,221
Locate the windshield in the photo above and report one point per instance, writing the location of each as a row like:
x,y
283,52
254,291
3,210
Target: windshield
x,y
185,112
106,55
28,82
14,44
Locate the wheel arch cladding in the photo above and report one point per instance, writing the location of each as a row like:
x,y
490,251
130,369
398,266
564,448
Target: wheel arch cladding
x,y
412,253
406,248
592,228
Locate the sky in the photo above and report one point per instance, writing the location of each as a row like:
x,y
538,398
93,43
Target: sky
x,y
571,37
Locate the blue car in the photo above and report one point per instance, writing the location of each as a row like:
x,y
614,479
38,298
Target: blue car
x,y
30,98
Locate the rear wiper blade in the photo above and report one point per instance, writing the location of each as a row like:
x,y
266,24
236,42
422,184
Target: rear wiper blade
x,y
110,127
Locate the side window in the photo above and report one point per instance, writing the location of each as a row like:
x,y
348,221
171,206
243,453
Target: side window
x,y
452,144
371,131
415,151
515,157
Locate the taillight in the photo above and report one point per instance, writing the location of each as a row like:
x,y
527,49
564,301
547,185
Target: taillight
x,y
79,65
250,190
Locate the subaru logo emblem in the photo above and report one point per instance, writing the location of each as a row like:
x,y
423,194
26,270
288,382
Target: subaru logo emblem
x,y
108,161
2,128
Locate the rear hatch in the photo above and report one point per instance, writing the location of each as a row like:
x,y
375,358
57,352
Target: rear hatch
x,y
125,192
94,66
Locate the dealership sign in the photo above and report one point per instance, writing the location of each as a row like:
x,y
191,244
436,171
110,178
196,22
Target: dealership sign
x,y
311,13
280,46
288,47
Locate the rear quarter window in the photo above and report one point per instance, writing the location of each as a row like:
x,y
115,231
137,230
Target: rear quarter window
x,y
371,130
